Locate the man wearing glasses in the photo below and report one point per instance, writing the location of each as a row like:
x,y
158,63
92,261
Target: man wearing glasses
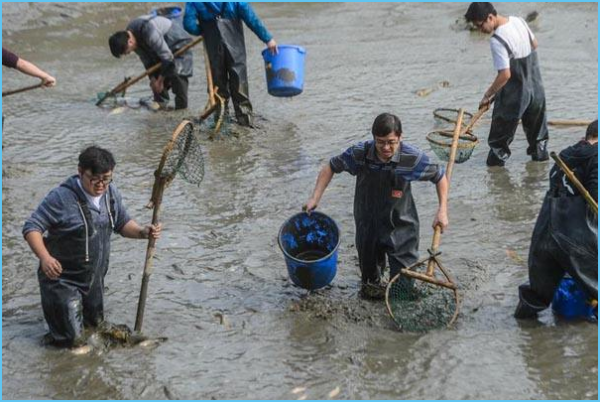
x,y
79,217
385,214
517,90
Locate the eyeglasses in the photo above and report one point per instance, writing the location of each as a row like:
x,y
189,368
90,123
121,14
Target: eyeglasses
x,y
391,143
105,180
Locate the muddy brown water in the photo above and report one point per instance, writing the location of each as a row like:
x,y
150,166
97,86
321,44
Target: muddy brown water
x,y
236,326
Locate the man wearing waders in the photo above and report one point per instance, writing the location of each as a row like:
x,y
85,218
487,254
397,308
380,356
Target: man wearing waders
x,y
154,39
517,91
565,237
79,217
220,23
384,210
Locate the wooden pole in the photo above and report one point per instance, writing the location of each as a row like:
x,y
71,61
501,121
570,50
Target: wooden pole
x,y
16,91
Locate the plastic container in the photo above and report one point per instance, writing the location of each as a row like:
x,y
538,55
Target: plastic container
x,y
285,70
174,13
309,244
571,302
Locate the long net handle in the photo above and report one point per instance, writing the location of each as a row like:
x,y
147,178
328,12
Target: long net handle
x,y
17,91
139,318
124,85
437,234
573,179
209,78
474,119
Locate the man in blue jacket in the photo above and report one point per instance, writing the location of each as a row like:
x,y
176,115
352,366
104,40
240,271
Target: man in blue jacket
x,y
220,23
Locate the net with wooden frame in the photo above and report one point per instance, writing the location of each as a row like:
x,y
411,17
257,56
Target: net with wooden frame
x,y
441,141
183,157
424,296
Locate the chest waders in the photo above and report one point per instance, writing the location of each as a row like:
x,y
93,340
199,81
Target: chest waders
x,y
177,79
386,218
76,297
565,239
224,39
522,98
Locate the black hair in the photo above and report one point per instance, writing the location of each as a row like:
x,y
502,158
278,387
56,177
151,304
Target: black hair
x,y
97,160
385,124
592,130
118,43
478,12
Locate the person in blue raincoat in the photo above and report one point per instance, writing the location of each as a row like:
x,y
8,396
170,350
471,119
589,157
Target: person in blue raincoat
x,y
79,217
385,214
220,23
517,90
565,237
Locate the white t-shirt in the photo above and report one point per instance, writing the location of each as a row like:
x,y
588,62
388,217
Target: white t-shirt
x,y
95,201
516,34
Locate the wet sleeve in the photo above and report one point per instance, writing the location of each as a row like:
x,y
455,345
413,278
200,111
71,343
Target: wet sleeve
x,y
591,182
345,162
9,59
155,40
190,20
247,14
122,216
47,215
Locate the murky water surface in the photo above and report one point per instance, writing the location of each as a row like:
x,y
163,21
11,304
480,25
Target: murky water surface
x,y
237,328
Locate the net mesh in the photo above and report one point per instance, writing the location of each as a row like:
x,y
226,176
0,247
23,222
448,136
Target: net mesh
x,y
419,306
185,158
441,144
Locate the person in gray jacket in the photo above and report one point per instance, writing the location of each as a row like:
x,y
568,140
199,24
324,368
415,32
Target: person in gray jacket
x,y
154,39
79,217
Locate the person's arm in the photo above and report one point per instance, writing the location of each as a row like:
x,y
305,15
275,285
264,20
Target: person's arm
x,y
247,14
441,218
49,265
501,79
191,22
323,180
31,69
132,230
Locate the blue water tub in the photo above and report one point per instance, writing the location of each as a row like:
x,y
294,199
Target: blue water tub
x,y
310,247
285,70
570,301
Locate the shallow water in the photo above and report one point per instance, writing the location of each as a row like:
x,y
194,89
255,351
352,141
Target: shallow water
x,y
237,328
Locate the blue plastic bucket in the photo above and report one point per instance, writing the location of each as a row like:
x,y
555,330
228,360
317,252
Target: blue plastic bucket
x,y
570,301
174,13
285,70
309,244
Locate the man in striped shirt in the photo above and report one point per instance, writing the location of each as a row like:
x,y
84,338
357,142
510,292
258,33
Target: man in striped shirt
x,y
386,218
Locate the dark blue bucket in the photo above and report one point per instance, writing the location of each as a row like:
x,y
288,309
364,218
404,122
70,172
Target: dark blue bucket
x,y
570,301
309,244
285,70
172,12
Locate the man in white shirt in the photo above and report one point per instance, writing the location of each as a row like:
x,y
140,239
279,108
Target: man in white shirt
x,y
517,90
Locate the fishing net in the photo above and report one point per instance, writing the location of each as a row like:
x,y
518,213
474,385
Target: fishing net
x,y
420,306
441,144
450,115
183,156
